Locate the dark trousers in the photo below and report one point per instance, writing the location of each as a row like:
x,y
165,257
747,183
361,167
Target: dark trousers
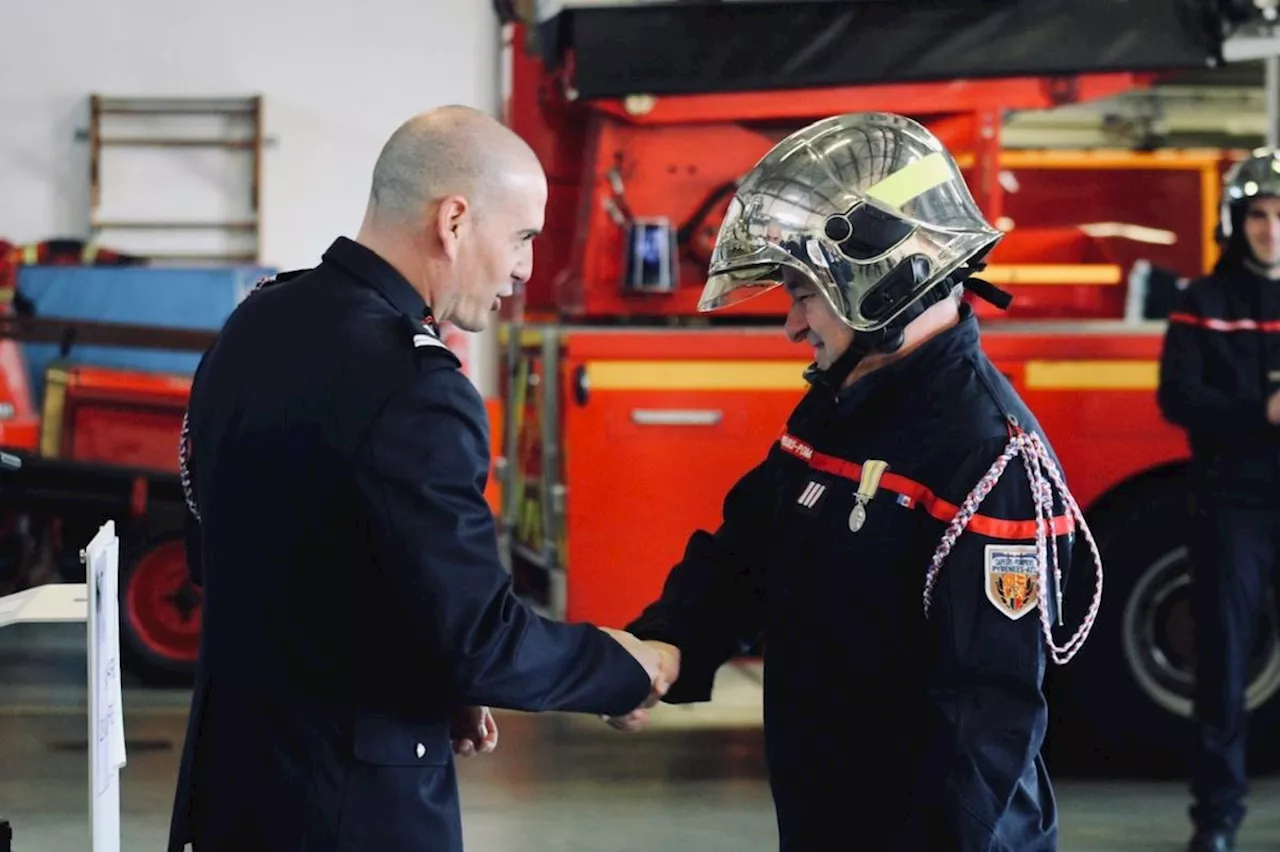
x,y
1234,550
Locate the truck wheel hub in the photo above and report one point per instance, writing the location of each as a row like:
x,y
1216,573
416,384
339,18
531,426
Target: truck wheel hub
x,y
161,604
1158,636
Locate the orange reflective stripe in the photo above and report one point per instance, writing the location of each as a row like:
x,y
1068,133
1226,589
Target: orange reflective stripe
x,y
1224,325
916,493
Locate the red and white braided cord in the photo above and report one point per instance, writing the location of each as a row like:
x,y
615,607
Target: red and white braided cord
x,y
1037,461
184,455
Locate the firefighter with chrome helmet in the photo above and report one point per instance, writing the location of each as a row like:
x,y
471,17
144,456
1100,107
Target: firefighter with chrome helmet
x,y
899,556
1220,383
882,227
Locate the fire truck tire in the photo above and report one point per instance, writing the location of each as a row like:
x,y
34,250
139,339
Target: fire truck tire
x,y
1131,685
159,611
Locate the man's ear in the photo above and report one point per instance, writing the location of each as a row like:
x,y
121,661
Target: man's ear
x,y
453,216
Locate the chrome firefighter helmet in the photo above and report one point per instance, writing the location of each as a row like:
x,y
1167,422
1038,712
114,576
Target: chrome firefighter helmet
x,y
1257,176
869,207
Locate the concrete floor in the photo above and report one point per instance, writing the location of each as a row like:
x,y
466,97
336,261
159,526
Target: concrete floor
x,y
556,784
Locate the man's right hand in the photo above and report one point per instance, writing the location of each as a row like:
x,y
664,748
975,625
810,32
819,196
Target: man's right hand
x,y
667,668
656,663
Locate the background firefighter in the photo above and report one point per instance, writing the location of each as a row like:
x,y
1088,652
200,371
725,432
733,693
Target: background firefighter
x,y
1220,381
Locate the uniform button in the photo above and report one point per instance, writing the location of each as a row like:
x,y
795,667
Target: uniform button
x,y
421,749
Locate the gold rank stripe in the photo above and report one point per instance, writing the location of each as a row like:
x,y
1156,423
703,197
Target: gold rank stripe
x,y
736,375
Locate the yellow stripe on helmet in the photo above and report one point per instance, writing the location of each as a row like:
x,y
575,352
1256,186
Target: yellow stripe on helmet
x,y
912,180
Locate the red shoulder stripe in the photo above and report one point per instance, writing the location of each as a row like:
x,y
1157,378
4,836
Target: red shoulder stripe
x,y
916,493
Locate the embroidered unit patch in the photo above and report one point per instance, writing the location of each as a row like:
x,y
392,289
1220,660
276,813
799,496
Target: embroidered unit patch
x,y
1012,578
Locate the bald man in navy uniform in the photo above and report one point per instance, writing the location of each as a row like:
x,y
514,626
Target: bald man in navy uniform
x,y
358,623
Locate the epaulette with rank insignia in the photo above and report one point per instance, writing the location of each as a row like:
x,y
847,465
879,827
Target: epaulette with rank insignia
x,y
426,335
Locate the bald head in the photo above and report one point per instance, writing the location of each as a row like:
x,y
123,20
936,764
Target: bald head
x,y
456,203
453,150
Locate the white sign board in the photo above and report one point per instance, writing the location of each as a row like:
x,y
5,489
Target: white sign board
x,y
96,601
106,722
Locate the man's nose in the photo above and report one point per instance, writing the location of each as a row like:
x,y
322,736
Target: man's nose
x,y
795,327
524,267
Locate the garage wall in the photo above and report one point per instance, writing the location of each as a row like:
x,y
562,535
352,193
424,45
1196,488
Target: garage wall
x,y
335,85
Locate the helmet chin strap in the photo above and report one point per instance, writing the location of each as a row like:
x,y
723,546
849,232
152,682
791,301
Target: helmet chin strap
x,y
890,338
864,343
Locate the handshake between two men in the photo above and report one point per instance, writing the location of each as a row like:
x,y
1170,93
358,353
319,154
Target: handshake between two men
x,y
474,731
661,662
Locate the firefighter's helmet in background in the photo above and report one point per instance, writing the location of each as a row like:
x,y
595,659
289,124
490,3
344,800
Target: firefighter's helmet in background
x,y
1257,176
870,207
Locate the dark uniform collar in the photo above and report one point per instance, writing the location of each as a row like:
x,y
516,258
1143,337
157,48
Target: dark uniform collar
x,y
368,267
916,370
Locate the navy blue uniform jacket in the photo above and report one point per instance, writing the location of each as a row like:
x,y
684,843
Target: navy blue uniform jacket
x,y
353,595
1219,365
884,729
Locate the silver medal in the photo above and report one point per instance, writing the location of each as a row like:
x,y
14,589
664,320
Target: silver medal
x,y
857,518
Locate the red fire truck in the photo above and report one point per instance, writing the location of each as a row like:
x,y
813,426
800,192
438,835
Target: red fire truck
x,y
627,415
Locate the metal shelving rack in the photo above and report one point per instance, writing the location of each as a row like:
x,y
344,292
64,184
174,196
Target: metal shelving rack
x,y
245,111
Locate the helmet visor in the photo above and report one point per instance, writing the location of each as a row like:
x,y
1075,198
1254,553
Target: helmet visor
x,y
751,256
737,285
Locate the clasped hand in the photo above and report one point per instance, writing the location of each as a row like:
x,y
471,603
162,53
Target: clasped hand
x,y
473,730
661,662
